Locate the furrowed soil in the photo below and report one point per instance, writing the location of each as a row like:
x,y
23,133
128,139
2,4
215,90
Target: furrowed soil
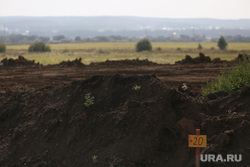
x,y
139,117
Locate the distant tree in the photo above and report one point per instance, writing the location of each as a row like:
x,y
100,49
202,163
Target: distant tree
x,y
143,45
199,47
66,40
116,38
102,39
58,37
2,39
2,48
17,38
222,44
31,38
39,47
185,38
44,39
78,39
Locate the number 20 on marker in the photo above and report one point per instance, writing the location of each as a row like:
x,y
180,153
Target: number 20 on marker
x,y
197,140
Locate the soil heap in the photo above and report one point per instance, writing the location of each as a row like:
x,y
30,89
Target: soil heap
x,y
199,60
18,62
135,121
126,62
76,62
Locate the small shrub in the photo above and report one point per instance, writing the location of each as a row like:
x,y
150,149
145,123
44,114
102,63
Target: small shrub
x,y
65,51
136,87
94,159
231,80
143,45
89,100
2,48
199,47
101,51
229,112
158,49
178,49
212,48
39,47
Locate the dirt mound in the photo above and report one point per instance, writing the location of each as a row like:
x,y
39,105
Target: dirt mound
x,y
76,62
18,62
197,60
126,62
134,121
242,57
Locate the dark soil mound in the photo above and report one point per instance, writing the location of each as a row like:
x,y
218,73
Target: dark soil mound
x,y
134,121
242,57
18,62
76,62
218,60
125,62
197,60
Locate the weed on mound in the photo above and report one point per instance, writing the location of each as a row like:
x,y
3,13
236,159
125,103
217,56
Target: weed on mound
x,y
231,80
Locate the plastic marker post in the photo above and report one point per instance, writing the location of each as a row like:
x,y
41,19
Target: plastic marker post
x,y
197,141
197,154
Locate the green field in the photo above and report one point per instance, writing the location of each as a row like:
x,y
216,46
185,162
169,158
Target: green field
x,y
99,52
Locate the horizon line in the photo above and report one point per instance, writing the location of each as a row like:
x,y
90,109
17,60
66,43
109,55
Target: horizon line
x,y
130,16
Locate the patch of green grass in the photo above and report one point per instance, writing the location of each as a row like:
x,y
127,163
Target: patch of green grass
x,y
89,100
94,159
230,80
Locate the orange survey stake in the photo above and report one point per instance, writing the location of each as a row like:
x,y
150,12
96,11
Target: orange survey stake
x,y
197,141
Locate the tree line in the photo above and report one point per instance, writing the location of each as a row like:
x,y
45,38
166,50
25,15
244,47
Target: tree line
x,y
20,39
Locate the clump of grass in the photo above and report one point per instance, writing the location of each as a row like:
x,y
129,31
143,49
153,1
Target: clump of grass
x,y
94,159
65,51
89,100
231,80
101,51
136,87
158,49
178,49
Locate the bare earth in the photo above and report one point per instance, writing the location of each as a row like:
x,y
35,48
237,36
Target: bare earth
x,y
44,120
174,75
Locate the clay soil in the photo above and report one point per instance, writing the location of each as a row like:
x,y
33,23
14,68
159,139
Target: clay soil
x,y
44,121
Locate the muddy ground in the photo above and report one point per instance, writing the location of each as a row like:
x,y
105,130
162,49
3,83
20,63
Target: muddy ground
x,y
44,120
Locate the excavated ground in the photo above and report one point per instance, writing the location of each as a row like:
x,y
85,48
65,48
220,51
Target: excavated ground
x,y
44,121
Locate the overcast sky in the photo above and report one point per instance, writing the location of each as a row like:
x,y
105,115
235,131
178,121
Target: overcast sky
x,y
222,9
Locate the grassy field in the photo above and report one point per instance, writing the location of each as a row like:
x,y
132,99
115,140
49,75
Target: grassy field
x,y
98,52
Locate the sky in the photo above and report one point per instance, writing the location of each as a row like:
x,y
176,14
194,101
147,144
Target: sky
x,y
220,9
